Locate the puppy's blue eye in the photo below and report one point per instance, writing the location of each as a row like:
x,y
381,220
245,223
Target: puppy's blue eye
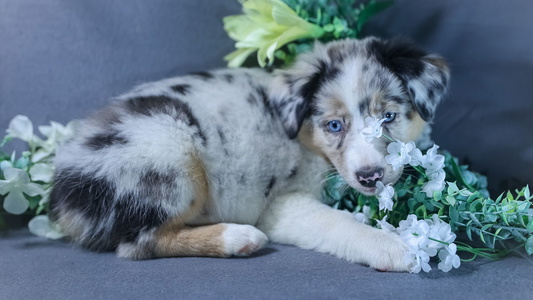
x,y
334,126
389,117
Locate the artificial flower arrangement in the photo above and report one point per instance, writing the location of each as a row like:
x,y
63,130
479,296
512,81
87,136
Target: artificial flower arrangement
x,y
26,180
436,199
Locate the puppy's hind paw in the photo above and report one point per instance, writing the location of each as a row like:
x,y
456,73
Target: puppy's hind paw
x,y
242,240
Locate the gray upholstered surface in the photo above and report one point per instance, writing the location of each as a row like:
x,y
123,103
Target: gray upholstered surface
x,y
60,59
35,268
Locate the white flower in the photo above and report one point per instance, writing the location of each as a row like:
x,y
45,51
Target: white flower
x,y
384,193
435,183
58,133
373,128
448,258
364,216
42,226
415,233
55,134
425,239
21,127
42,172
440,231
418,260
16,184
432,161
399,154
417,158
407,223
6,164
385,226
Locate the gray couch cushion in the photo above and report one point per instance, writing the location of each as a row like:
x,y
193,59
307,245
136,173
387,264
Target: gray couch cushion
x,y
61,60
34,268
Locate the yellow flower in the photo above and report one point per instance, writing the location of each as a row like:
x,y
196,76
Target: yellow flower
x,y
265,26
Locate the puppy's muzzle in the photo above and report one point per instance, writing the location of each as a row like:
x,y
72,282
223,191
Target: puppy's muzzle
x,y
368,177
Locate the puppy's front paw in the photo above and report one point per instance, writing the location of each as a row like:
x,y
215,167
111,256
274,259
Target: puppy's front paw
x,y
242,240
388,252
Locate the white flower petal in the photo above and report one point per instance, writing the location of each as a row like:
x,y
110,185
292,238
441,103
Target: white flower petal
x,y
360,217
42,154
46,196
385,226
5,187
21,127
5,164
42,226
46,130
417,158
373,128
399,154
32,189
15,203
42,172
11,174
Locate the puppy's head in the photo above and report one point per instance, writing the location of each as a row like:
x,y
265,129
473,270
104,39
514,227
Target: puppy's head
x,y
330,91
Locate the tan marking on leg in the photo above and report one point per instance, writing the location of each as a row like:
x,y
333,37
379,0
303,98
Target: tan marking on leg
x,y
198,176
176,239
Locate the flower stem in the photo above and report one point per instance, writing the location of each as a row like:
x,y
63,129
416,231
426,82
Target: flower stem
x,y
488,253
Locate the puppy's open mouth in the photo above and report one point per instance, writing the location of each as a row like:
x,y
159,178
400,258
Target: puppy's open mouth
x,y
369,191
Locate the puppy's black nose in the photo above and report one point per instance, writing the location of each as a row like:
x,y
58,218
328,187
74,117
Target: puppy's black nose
x,y
369,177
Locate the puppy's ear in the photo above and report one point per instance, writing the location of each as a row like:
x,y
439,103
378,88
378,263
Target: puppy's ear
x,y
425,76
293,92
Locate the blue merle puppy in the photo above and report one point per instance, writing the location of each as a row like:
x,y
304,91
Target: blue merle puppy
x,y
216,164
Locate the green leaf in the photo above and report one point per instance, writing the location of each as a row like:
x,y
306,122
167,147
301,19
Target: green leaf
x,y
529,245
429,206
469,232
491,217
452,188
523,205
22,163
527,194
518,236
421,212
476,206
495,237
529,226
465,192
499,199
436,203
450,199
485,227
454,214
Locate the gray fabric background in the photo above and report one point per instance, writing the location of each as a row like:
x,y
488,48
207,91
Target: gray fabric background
x,y
32,268
61,59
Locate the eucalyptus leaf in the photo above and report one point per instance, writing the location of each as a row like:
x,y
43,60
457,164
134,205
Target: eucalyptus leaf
x,y
450,199
529,245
